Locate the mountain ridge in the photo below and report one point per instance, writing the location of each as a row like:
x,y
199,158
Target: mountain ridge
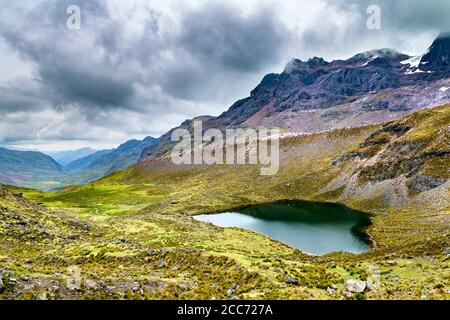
x,y
38,170
316,95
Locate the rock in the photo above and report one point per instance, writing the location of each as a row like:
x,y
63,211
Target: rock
x,y
369,285
135,287
426,183
391,262
24,278
175,268
90,284
230,292
234,298
183,286
161,264
333,286
106,288
122,240
214,286
43,296
355,286
2,286
291,280
347,294
331,291
235,286
447,251
73,285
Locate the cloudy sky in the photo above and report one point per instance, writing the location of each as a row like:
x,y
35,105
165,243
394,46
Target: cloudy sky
x,y
137,68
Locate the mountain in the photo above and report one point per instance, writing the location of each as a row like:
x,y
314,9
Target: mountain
x,y
437,59
68,156
397,171
37,170
123,157
28,168
83,163
316,95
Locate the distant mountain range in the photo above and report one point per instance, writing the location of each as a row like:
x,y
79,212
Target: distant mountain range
x,y
123,157
38,170
19,167
308,96
66,157
84,162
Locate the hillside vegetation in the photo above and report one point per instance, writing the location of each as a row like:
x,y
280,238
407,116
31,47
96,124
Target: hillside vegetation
x,y
132,236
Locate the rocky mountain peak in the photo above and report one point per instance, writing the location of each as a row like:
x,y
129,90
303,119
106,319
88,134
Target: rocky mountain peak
x,y
297,64
385,53
437,58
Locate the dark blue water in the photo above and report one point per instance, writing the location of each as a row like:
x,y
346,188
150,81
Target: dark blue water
x,y
315,228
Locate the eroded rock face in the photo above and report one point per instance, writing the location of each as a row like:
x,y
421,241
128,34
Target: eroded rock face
x,y
425,183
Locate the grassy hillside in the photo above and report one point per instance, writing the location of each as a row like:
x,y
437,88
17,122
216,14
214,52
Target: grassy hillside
x,y
139,240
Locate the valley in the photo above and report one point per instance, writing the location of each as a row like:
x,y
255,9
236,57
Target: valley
x,y
132,236
370,134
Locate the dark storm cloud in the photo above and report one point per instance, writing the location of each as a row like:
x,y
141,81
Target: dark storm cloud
x,y
70,72
217,44
222,35
410,15
206,54
96,67
17,99
406,25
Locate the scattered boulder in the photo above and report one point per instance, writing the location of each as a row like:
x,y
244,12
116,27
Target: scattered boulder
x,y
73,285
346,294
331,291
447,251
161,264
122,240
391,262
355,286
24,278
90,284
136,286
232,290
2,286
291,280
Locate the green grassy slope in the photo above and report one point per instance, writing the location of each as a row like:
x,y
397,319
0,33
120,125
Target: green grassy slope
x,y
142,236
